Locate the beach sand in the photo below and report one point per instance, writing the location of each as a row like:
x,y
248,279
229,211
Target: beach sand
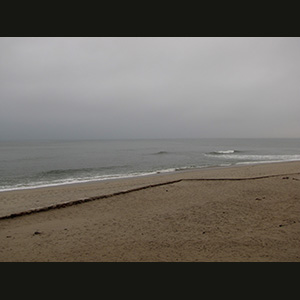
x,y
246,213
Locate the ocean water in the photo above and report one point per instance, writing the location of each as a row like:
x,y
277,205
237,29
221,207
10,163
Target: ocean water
x,y
32,164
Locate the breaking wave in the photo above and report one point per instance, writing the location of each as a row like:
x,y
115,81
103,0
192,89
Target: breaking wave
x,y
223,152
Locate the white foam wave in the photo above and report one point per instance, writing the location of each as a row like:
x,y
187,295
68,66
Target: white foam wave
x,y
224,152
264,161
263,157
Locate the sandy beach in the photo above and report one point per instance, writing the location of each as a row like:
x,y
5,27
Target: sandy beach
x,y
245,213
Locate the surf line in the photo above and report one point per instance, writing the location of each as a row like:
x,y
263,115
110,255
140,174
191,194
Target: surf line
x,y
79,201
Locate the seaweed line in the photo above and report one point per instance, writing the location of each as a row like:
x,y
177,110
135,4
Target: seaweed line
x,y
79,201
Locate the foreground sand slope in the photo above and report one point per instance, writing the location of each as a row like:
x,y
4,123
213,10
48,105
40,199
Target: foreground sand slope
x,y
191,220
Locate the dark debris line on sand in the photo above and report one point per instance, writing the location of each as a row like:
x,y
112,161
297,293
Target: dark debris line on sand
x,y
75,202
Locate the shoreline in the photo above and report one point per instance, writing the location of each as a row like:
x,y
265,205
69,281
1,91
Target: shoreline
x,y
103,188
56,195
244,213
145,174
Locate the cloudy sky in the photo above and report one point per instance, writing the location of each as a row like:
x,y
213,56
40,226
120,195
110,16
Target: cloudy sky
x,y
85,88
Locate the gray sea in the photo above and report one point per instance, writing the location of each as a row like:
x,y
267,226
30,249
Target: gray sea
x,y
32,164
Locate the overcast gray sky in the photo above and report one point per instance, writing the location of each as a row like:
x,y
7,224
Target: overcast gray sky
x,y
149,87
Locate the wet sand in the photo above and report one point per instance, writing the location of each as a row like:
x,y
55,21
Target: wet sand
x,y
248,213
